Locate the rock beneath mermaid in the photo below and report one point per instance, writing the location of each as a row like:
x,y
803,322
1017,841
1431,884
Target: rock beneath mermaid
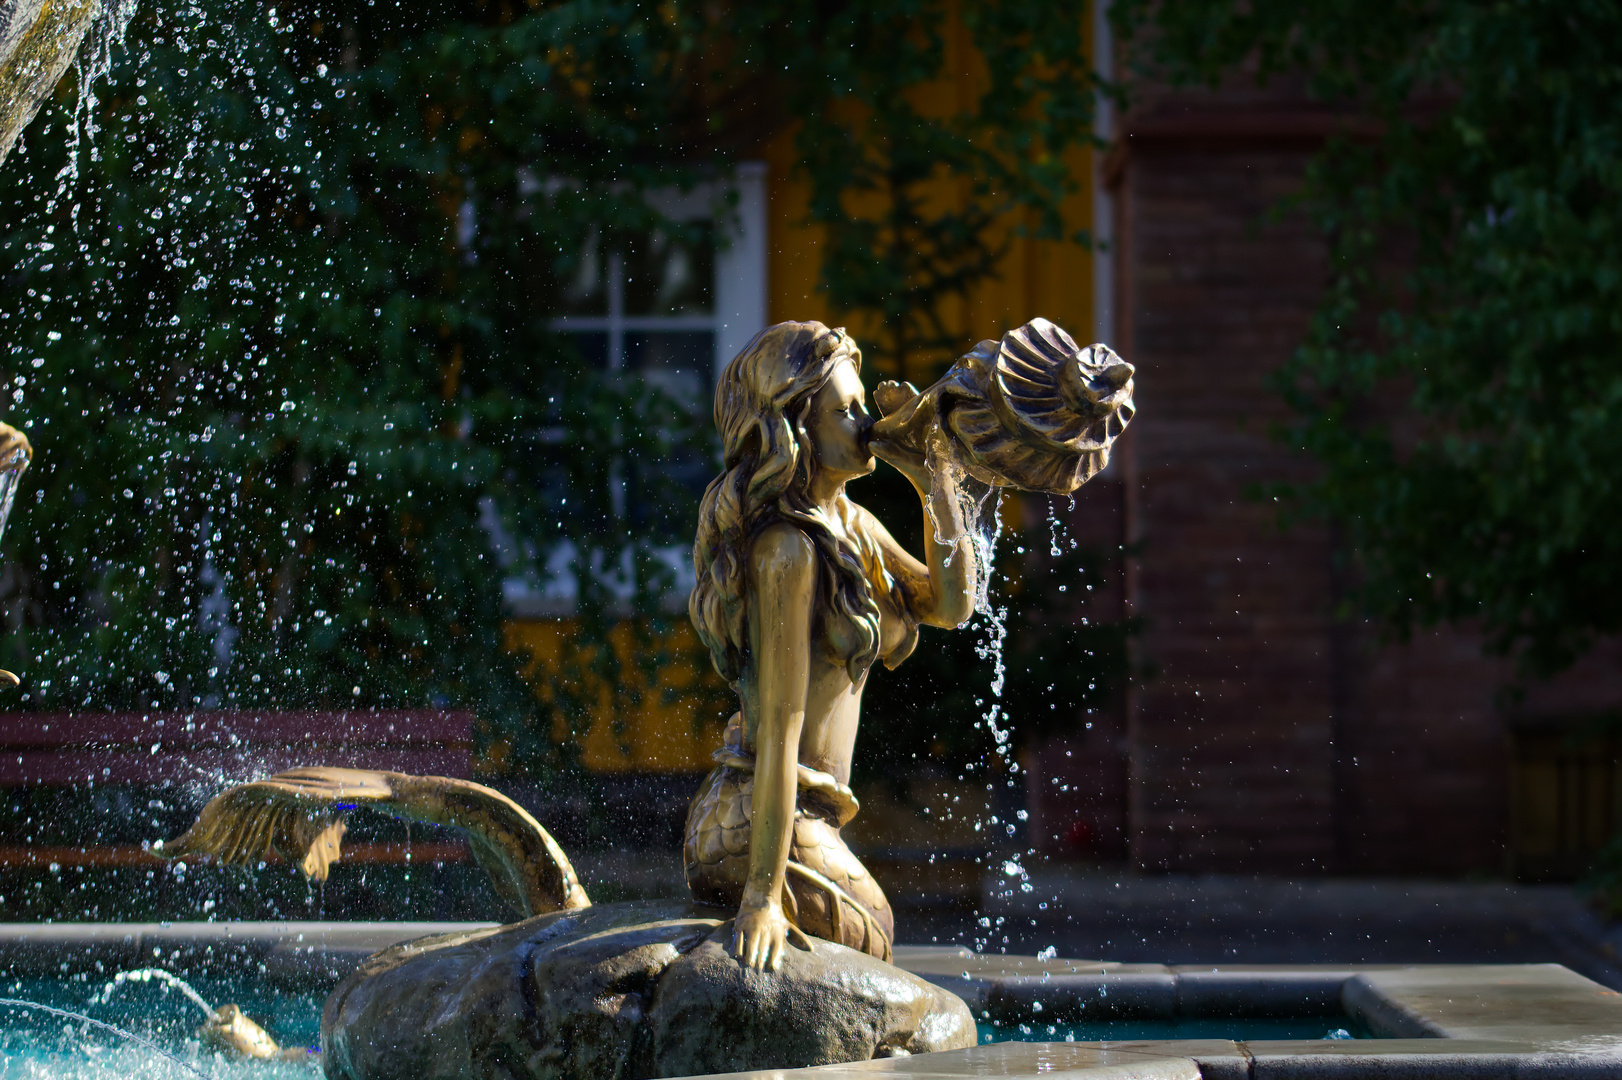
x,y
622,991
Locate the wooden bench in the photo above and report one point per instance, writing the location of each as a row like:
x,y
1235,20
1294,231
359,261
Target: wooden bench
x,y
66,749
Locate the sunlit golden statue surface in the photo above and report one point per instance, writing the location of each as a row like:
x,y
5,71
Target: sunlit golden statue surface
x,y
800,590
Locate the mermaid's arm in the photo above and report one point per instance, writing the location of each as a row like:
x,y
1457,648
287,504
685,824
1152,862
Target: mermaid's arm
x,y
784,572
941,593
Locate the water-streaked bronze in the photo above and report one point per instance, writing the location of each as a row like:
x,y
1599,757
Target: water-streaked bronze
x,y
800,589
231,1032
38,40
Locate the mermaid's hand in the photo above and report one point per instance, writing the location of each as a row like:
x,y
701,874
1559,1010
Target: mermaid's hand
x,y
760,935
900,438
890,395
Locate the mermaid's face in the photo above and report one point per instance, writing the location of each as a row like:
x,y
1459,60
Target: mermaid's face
x,y
839,424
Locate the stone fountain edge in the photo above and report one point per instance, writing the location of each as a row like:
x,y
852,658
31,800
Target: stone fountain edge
x,y
1460,1022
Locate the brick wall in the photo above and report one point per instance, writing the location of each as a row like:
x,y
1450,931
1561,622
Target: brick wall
x,y
1076,783
1232,739
1270,737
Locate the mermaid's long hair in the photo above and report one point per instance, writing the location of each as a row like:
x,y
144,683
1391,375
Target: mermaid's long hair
x,y
761,406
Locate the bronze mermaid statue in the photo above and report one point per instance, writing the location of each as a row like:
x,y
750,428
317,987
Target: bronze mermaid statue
x,y
799,591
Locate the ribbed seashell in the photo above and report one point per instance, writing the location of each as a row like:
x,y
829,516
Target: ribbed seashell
x,y
1034,410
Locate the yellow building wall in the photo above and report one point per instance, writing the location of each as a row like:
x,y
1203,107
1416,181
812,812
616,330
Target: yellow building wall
x,y
665,720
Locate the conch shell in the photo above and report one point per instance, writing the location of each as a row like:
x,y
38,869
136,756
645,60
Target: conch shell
x,y
1033,411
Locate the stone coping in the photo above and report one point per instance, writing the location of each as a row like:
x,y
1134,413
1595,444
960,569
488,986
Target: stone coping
x,y
1470,1022
1210,1059
287,954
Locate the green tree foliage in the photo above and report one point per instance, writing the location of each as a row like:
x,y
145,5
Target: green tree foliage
x,y
1462,384
872,145
284,342
283,347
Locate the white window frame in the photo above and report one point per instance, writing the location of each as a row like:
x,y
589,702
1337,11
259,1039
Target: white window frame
x,y
738,314
739,298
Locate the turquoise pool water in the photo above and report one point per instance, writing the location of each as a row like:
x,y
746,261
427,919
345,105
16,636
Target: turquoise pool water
x,y
37,1045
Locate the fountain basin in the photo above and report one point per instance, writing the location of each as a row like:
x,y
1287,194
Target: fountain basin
x,y
1467,1021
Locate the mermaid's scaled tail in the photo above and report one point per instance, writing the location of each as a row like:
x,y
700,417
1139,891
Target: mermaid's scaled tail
x,y
300,815
828,893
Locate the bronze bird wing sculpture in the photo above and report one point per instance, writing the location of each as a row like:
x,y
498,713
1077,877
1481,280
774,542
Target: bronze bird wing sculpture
x,y
300,816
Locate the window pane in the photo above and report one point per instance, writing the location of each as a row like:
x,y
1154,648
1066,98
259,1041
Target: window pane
x,y
578,286
670,276
662,493
592,346
678,362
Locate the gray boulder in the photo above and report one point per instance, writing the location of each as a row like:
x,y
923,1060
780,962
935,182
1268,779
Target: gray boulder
x,y
622,992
